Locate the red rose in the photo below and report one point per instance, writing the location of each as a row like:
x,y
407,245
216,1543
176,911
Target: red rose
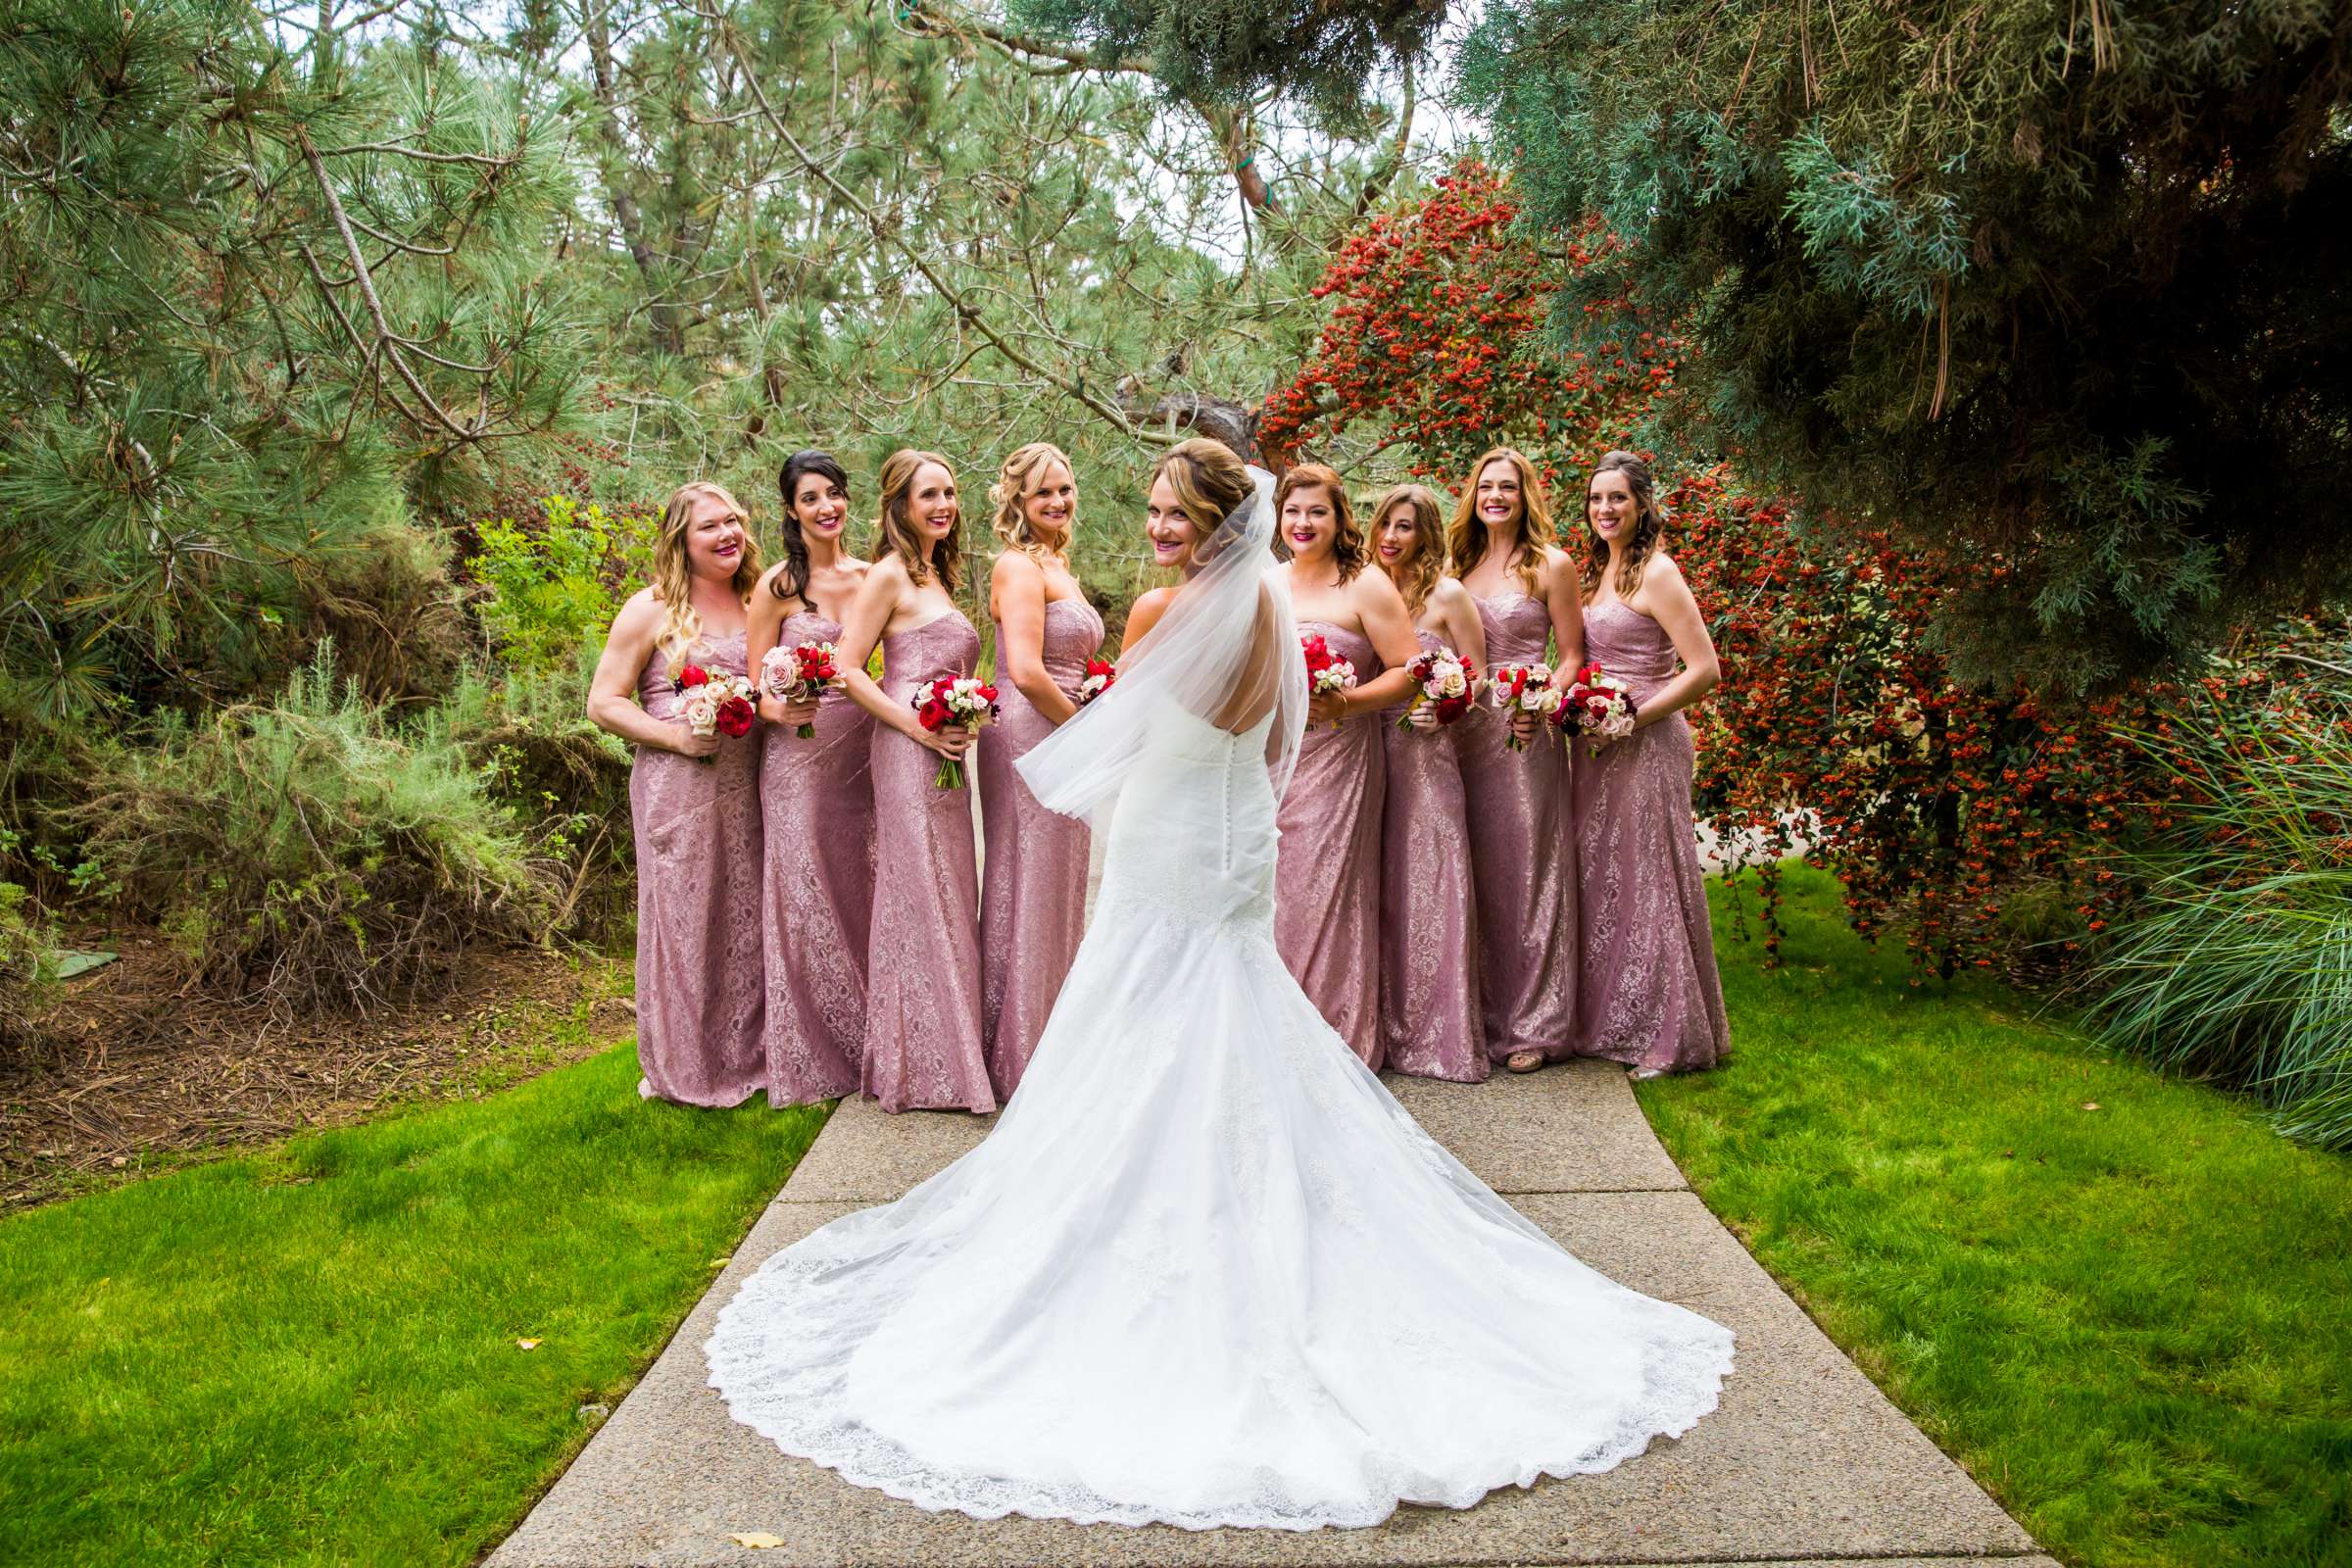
x,y
693,676
735,716
933,713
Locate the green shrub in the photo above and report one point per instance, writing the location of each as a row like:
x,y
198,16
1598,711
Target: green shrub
x,y
307,851
2237,961
547,589
27,963
559,775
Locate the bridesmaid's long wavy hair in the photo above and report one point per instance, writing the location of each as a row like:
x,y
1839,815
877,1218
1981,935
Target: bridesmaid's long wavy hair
x,y
792,582
1416,576
1650,526
1209,483
1466,542
1348,546
1016,481
673,579
897,535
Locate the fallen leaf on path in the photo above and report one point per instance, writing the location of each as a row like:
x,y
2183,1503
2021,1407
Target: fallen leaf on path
x,y
757,1540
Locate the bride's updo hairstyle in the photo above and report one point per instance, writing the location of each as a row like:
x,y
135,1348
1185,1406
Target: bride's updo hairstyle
x,y
1209,483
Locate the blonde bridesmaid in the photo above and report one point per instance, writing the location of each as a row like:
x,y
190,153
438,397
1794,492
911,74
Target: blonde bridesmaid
x,y
1522,855
692,807
922,969
1430,1021
816,802
1649,995
1327,876
1033,890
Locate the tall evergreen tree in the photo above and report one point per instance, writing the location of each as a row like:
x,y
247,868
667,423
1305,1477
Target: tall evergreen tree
x,y
2062,279
259,293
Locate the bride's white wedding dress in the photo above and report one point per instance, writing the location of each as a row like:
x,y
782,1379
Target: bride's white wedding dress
x,y
1205,1271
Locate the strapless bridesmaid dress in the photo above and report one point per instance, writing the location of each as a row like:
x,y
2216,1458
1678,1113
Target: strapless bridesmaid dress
x,y
1033,882
1327,875
1648,995
923,971
816,807
699,865
1522,857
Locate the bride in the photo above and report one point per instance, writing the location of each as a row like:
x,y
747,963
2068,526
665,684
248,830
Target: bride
x,y
1205,1271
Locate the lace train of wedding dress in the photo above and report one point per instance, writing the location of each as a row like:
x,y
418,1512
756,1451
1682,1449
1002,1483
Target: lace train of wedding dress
x,y
1205,1271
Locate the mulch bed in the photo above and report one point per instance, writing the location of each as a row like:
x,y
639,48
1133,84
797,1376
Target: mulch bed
x,y
138,1073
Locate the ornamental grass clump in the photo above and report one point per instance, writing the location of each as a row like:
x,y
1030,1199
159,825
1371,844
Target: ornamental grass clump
x,y
2237,962
308,853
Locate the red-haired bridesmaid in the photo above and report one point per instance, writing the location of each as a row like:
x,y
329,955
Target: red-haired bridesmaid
x,y
1033,890
1327,873
1522,854
922,968
693,808
816,802
1430,1021
1649,995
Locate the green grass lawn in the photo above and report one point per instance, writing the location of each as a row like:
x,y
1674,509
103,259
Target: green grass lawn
x,y
2132,1325
311,1355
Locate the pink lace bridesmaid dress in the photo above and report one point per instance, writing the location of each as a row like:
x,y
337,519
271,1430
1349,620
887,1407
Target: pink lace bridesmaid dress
x,y
1033,889
1430,1022
922,969
816,808
699,976
1522,858
1327,872
1649,995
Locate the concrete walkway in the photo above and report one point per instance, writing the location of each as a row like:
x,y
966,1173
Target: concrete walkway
x,y
1805,1463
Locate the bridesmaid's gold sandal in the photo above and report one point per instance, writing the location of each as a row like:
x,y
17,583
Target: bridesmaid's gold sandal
x,y
1524,1061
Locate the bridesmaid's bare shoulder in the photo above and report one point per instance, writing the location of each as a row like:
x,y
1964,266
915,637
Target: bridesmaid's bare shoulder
x,y
1449,598
640,613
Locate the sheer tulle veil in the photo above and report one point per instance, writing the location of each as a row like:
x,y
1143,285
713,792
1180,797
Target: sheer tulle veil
x,y
1225,654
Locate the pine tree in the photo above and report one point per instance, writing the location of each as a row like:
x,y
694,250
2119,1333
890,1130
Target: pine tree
x,y
2061,279
261,295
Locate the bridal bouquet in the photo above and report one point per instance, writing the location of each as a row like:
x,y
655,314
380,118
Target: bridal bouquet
x,y
1444,680
1100,674
1327,674
799,674
716,704
1524,688
955,700
1598,703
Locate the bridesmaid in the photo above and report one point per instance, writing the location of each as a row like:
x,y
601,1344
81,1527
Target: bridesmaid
x,y
1649,995
816,803
693,805
1521,855
1430,1022
922,968
1327,875
1033,894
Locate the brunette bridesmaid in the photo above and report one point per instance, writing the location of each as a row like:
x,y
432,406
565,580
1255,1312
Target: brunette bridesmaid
x,y
816,802
1522,857
1033,892
1327,874
1430,1022
922,969
1648,992
692,807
